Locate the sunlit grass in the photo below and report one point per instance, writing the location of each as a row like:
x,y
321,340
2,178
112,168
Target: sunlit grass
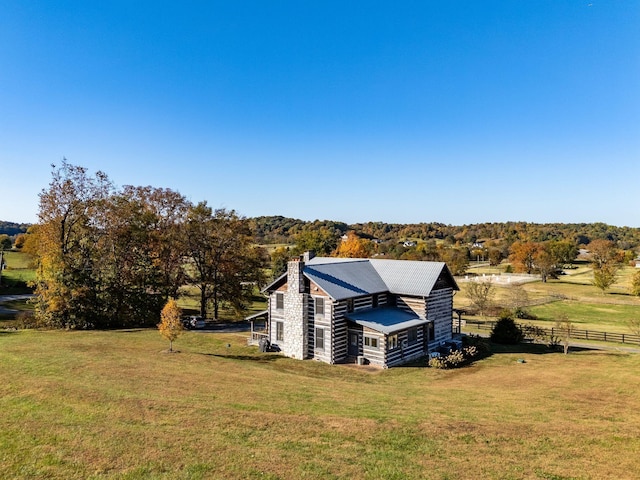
x,y
115,405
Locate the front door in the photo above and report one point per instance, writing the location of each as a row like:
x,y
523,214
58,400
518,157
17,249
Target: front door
x,y
354,344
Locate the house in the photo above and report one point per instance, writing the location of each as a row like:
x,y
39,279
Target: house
x,y
382,312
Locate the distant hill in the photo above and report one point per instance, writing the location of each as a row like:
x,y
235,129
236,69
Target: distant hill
x,y
12,228
278,229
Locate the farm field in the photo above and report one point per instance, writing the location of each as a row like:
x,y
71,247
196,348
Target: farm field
x,y
115,405
574,296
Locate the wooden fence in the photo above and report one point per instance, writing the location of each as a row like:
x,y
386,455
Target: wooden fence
x,y
576,334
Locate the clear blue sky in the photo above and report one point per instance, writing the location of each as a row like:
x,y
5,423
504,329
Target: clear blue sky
x,y
412,111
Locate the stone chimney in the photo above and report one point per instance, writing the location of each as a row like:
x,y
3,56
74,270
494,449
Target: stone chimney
x,y
306,256
295,312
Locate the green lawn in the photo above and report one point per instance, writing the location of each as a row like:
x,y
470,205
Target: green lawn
x,y
115,405
17,274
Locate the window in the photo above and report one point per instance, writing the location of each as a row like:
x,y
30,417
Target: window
x,y
412,335
319,306
430,331
320,338
371,342
392,342
279,301
279,331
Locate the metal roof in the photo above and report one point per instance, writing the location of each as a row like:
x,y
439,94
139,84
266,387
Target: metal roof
x,y
344,278
386,320
409,277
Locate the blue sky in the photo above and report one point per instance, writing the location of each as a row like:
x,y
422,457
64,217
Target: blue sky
x,y
415,111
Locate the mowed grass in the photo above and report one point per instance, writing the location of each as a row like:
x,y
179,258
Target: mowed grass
x,y
115,405
573,295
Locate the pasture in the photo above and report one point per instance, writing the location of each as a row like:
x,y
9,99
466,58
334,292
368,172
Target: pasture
x,y
572,295
114,404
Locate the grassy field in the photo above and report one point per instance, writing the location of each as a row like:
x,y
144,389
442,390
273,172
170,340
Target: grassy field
x,y
19,271
115,405
573,295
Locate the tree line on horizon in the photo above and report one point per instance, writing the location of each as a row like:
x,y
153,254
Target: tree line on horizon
x,y
278,229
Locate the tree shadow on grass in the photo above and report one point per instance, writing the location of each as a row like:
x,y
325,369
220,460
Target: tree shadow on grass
x,y
531,349
250,358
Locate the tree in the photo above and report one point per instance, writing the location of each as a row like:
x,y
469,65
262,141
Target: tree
x,y
104,257
5,242
223,262
517,297
544,263
66,245
457,259
279,259
564,327
20,240
603,252
605,260
354,247
495,256
563,252
322,241
523,256
506,331
480,292
635,284
604,277
170,326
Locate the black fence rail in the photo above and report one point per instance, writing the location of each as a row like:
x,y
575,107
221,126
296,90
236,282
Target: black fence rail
x,y
575,333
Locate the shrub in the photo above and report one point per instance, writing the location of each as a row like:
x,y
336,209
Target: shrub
x,y
506,331
455,358
522,314
533,333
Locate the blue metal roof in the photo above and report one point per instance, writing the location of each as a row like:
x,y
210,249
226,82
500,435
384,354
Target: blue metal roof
x,y
344,278
386,320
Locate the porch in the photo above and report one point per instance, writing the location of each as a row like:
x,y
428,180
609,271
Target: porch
x,y
259,327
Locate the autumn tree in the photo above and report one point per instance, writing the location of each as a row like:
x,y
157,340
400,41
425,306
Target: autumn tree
x,y
544,262
223,262
67,247
170,326
495,256
603,253
605,260
523,256
20,240
104,257
142,253
456,258
354,247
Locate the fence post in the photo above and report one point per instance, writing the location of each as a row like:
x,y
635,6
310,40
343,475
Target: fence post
x,y
623,338
605,336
